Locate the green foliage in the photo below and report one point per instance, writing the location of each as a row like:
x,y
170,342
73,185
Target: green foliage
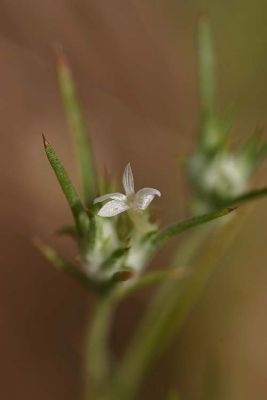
x,y
113,252
248,197
65,266
163,236
169,308
217,172
206,71
78,129
78,211
114,256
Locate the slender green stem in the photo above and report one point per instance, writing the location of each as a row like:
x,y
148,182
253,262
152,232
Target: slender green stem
x,y
160,324
98,357
99,377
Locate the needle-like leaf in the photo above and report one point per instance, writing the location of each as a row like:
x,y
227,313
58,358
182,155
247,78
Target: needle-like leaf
x,y
162,236
114,256
206,68
78,211
62,265
249,196
77,124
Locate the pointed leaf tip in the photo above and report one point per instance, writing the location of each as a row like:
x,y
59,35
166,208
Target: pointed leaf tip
x,y
36,241
78,126
60,55
78,211
62,61
230,209
45,141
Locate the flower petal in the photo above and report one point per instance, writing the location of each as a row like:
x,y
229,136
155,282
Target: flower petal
x,y
128,180
112,208
113,196
144,197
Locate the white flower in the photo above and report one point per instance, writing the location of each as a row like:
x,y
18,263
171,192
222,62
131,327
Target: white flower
x,y
130,200
227,176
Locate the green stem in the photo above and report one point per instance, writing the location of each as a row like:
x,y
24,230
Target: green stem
x,y
98,359
163,321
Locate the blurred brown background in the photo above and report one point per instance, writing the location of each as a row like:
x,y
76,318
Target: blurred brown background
x,y
135,66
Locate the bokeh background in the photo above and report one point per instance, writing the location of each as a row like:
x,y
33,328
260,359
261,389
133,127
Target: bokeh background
x,y
136,70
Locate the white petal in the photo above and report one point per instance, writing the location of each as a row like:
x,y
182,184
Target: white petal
x,y
113,196
112,208
144,197
128,180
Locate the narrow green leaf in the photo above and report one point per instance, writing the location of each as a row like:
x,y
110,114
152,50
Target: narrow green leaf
x,y
206,68
79,214
62,265
91,238
114,256
77,124
162,236
249,196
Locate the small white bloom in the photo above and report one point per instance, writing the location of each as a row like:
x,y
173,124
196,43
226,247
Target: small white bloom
x,y
130,200
227,176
